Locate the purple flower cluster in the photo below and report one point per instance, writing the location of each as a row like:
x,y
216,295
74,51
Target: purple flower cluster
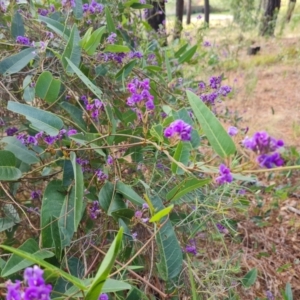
x,y
111,39
68,3
232,131
45,12
101,176
179,129
265,146
10,131
94,210
140,94
23,40
109,160
36,195
213,91
103,297
119,57
225,175
139,214
191,247
92,8
85,164
36,286
221,228
151,60
29,140
94,107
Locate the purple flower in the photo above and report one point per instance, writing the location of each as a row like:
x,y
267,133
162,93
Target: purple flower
x,y
10,131
225,175
225,90
215,82
269,295
49,139
199,17
68,3
221,228
43,12
206,44
103,297
49,35
110,160
112,38
143,1
134,235
191,248
270,160
94,210
101,175
232,131
36,195
23,40
179,129
145,206
71,132
138,214
36,287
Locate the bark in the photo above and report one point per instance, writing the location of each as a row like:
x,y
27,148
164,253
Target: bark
x,y
188,12
178,18
206,11
290,10
156,16
268,21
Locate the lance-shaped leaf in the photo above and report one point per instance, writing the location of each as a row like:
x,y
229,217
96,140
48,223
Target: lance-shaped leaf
x,y
170,252
17,263
129,193
76,281
72,51
17,25
29,92
77,10
182,155
43,120
105,268
185,57
13,64
47,87
94,89
116,48
19,150
186,187
219,139
162,213
109,20
56,26
90,46
78,189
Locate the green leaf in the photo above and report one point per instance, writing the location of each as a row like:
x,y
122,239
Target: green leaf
x,y
72,51
94,41
20,151
110,23
170,252
181,50
17,263
157,132
187,55
11,217
186,187
43,120
250,278
79,190
77,10
94,89
56,26
47,88
126,70
288,293
15,63
162,213
9,173
129,193
85,139
29,92
53,200
77,282
116,48
75,114
182,154
105,268
7,159
112,286
219,139
109,200
86,37
168,66
141,6
17,25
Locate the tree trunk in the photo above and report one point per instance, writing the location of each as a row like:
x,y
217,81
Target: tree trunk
x,y
206,12
268,21
178,18
156,16
188,12
290,10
